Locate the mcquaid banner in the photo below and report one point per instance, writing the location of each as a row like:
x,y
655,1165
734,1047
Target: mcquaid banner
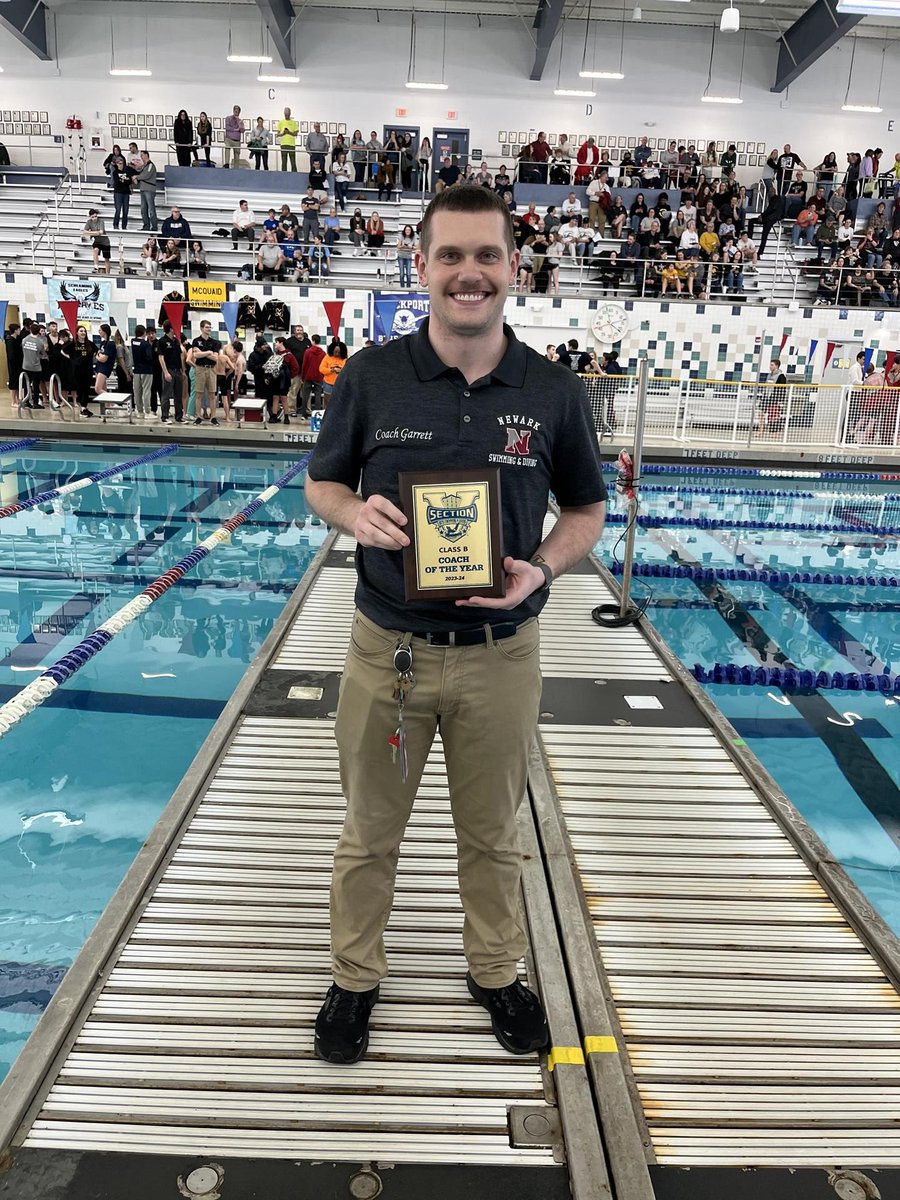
x,y
395,314
93,296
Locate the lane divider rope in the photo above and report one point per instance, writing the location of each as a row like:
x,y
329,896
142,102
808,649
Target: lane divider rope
x,y
76,485
760,472
41,688
793,677
21,444
651,522
750,575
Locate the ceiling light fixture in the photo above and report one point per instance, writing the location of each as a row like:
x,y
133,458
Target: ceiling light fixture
x,y
114,70
422,85
731,20
261,78
261,57
592,72
863,108
721,100
706,98
870,8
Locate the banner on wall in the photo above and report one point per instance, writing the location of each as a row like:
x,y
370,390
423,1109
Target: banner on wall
x,y
207,294
93,296
395,314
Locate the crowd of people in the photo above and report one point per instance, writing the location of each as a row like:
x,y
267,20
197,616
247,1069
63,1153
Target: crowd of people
x,y
171,376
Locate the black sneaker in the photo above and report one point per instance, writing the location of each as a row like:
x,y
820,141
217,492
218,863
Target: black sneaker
x,y
214,421
342,1026
198,420
517,1016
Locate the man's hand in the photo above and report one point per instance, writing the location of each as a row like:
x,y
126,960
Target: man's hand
x,y
378,524
522,578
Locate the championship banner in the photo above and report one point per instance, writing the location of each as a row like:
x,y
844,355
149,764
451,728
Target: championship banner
x,y
395,314
93,296
207,294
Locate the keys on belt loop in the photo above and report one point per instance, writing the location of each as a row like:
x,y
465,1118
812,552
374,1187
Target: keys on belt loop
x,y
406,681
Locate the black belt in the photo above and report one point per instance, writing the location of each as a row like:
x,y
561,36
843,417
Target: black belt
x,y
476,636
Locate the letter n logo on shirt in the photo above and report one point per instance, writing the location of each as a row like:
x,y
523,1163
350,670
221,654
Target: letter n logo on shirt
x,y
517,440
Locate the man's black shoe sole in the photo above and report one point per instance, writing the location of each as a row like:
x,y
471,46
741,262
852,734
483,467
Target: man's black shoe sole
x,y
536,1045
341,1059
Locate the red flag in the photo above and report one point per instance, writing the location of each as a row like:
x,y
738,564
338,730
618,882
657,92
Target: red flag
x,y
333,310
829,351
69,310
174,310
889,361
784,338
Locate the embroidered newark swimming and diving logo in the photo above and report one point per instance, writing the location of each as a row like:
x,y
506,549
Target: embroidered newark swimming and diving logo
x,y
452,514
519,432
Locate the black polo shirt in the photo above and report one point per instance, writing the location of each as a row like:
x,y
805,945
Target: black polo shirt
x,y
169,349
207,351
398,407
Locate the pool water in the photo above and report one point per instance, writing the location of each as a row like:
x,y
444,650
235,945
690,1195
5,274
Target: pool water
x,y
86,775
834,753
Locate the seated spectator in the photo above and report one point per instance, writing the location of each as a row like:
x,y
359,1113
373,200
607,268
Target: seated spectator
x,y
574,239
531,216
826,239
855,288
318,176
176,227
891,248
845,235
570,207
170,259
804,226
358,232
150,256
560,171
243,225
384,179
288,223
748,250
637,212
798,187
319,254
332,229
610,272
888,286
871,247
734,279
689,242
447,175
826,291
374,233
509,201
617,216
502,181
551,221
710,243
271,225
630,253
197,264
819,202
270,261
651,279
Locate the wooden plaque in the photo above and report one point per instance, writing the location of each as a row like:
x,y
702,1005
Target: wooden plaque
x,y
455,534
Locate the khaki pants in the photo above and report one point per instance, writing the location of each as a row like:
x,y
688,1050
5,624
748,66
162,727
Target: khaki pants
x,y
293,393
596,216
205,388
484,699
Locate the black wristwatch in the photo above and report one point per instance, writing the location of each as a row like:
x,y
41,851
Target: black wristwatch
x,y
537,561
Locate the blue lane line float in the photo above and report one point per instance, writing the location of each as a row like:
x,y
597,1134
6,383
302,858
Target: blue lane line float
x,y
761,472
794,677
750,575
651,522
41,688
77,484
21,444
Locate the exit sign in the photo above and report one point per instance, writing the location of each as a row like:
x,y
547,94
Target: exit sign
x,y
451,116
400,112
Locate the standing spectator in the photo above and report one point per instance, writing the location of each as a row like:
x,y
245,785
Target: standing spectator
x,y
298,343
150,256
288,128
234,136
82,355
407,162
105,361
13,340
170,357
317,145
338,146
587,158
110,160
204,134
203,356
358,155
341,171
537,155
95,229
134,156
406,248
197,264
33,347
788,161
310,206
374,150
121,176
331,366
311,376
142,369
258,144
423,158
599,200
183,137
146,181
291,366
243,225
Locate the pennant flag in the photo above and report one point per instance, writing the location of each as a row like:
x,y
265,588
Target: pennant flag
x,y
4,305
385,311
889,360
870,350
333,310
784,338
174,310
118,310
829,351
813,345
69,310
229,313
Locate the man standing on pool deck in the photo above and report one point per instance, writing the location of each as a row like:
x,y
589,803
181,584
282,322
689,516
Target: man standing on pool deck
x,y
460,393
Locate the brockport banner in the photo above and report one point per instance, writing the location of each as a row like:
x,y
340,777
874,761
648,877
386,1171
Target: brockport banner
x,y
93,296
395,314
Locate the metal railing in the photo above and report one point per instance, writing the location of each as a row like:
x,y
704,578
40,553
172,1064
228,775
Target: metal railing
x,y
747,413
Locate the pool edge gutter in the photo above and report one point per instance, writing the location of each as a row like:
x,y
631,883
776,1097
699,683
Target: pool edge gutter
x,y
28,1075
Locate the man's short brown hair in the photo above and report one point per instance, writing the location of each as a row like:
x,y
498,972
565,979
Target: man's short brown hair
x,y
471,200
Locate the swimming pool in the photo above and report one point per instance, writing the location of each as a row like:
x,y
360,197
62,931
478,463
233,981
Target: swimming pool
x,y
834,753
86,775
